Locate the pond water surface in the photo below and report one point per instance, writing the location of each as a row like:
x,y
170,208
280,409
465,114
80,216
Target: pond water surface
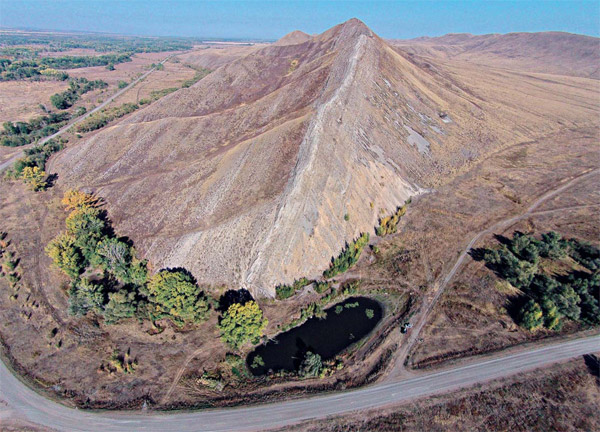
x,y
345,323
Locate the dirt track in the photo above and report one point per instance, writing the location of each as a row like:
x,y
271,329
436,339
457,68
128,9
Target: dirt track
x,y
429,302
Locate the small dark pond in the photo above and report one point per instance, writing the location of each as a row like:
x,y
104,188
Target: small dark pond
x,y
354,319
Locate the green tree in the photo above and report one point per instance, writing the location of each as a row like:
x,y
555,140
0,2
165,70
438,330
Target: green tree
x,y
567,301
138,272
242,323
88,228
525,247
554,246
532,316
61,100
174,294
552,317
121,304
85,296
66,255
587,288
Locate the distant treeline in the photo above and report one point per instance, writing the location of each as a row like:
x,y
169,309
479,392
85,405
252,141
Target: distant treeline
x,y
74,62
46,67
58,43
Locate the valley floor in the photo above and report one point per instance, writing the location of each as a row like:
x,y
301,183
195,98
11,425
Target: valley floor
x,y
468,319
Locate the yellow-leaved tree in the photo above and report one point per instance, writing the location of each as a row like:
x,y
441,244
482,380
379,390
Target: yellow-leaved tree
x,y
34,177
75,199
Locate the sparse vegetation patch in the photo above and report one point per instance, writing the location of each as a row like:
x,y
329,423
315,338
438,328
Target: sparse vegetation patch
x,y
389,224
103,117
286,291
77,87
348,257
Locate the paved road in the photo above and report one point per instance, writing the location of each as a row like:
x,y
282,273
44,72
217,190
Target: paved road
x,y
79,119
27,404
422,316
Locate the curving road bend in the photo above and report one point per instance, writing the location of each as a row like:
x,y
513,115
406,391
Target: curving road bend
x,y
26,404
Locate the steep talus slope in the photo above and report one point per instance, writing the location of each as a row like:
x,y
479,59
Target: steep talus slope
x,y
246,177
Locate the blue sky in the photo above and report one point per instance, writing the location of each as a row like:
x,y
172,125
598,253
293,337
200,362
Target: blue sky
x,y
273,19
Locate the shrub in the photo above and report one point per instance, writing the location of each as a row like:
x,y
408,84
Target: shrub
x,y
13,278
257,361
311,366
121,363
241,324
10,265
389,224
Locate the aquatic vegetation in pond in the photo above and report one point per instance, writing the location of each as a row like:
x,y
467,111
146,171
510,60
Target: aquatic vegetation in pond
x,y
343,325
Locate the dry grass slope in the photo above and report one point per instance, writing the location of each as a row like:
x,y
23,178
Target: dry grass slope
x,y
245,178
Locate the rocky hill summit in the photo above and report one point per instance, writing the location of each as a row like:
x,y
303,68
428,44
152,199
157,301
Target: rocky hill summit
x,y
260,173
294,38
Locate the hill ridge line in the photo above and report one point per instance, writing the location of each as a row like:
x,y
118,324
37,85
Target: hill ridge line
x,y
306,155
